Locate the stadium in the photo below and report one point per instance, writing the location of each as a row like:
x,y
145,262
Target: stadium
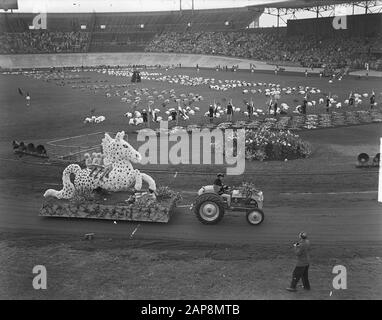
x,y
305,93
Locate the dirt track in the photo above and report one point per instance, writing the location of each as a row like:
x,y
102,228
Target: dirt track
x,y
349,217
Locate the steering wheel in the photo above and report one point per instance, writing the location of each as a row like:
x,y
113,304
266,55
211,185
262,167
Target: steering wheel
x,y
225,188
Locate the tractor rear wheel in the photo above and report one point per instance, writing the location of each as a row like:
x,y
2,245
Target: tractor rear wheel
x,y
209,208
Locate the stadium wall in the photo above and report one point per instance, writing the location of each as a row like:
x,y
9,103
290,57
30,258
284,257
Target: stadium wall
x,y
122,59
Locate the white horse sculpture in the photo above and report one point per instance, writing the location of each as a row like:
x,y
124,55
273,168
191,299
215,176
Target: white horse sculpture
x,y
121,177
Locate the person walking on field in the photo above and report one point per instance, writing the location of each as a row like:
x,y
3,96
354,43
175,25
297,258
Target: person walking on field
x,y
301,249
28,99
250,109
229,111
328,103
211,113
145,117
304,105
372,100
275,106
270,105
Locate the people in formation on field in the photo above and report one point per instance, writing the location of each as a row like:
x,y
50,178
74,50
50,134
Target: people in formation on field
x,y
211,113
249,109
270,105
351,99
372,100
327,104
275,106
28,99
174,115
136,76
216,108
304,105
145,117
229,111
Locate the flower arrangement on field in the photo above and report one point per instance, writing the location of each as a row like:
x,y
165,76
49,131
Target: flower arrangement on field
x,y
265,144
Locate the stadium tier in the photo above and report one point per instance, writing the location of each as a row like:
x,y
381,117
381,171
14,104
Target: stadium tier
x,y
206,20
225,32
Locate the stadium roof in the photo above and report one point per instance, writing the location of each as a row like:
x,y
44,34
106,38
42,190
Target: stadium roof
x,y
299,4
157,5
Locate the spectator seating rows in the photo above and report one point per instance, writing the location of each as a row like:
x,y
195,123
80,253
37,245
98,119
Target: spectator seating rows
x,y
271,45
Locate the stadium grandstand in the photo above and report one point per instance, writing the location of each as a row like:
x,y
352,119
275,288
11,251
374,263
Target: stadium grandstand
x,y
222,31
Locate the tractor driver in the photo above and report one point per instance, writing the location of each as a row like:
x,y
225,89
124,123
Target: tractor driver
x,y
218,184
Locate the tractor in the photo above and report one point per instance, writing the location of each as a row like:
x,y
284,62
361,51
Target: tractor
x,y
210,206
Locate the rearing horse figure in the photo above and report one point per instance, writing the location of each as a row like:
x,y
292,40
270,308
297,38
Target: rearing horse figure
x,y
121,177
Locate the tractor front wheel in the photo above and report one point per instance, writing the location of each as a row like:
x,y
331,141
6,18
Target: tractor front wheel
x,y
255,217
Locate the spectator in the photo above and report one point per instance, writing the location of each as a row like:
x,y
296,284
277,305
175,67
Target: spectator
x,y
44,42
301,249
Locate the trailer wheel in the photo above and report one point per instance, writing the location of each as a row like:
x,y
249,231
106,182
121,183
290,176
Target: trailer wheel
x,y
209,208
255,217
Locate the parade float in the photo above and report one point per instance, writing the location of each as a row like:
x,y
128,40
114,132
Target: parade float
x,y
108,187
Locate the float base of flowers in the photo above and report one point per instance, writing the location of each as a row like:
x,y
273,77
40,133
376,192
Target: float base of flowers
x,y
148,210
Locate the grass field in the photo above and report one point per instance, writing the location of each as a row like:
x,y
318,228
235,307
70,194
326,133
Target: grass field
x,y
57,112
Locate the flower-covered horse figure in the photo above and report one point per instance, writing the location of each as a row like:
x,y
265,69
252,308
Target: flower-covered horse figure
x,y
121,176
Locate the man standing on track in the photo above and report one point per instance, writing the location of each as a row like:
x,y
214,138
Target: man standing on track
x,y
301,249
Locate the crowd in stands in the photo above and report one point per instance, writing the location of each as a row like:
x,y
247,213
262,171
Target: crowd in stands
x,y
43,42
270,46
